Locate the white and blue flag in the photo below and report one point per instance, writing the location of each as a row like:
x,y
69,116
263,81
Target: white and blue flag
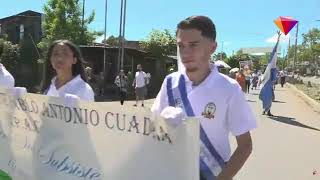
x,y
268,79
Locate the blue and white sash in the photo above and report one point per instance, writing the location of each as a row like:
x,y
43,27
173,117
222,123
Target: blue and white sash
x,y
211,163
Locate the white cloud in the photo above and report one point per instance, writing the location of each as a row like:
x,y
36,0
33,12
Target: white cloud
x,y
99,39
227,43
283,38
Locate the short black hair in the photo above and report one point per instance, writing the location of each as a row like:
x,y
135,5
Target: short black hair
x,y
202,23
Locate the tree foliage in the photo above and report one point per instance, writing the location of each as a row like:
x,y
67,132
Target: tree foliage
x,y
160,43
64,21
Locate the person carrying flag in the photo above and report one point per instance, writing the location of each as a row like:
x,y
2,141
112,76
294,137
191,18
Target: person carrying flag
x,y
267,81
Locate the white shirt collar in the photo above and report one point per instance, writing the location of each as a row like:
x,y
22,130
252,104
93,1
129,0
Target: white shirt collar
x,y
71,83
2,68
213,69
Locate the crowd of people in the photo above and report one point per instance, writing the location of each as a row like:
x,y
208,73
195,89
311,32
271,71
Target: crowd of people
x,y
253,80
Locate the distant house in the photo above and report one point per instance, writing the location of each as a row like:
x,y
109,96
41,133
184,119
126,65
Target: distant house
x,y
133,45
25,29
93,56
23,25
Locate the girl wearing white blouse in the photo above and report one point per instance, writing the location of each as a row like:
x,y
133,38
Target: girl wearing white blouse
x,y
65,75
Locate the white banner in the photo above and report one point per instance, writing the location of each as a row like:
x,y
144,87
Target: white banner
x,y
41,138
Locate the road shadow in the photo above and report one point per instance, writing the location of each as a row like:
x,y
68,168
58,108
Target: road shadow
x,y
291,121
256,94
278,101
280,89
250,100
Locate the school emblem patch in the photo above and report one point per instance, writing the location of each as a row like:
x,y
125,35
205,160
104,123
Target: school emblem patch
x,y
178,103
209,110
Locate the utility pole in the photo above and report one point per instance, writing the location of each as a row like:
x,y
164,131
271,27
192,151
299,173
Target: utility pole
x,y
295,48
123,32
104,45
83,5
120,36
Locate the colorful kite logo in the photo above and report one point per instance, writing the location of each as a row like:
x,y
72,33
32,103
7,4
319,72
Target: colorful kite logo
x,y
285,24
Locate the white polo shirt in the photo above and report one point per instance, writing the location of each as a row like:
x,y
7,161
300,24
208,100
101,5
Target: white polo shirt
x,y
233,114
6,79
140,79
76,87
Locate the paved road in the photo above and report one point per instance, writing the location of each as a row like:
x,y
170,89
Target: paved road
x,y
285,147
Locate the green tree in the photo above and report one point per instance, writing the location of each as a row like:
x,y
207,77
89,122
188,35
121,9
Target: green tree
x,y
218,56
233,61
28,76
160,43
64,21
311,45
9,55
112,41
256,65
312,37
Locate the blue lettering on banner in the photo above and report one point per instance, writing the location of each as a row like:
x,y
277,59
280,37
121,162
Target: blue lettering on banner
x,y
70,167
2,134
12,164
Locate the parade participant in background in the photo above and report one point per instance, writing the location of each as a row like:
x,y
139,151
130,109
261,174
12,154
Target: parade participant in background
x,y
268,80
65,74
282,78
255,79
122,82
241,79
139,83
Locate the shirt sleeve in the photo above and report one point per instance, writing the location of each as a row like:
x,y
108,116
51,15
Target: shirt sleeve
x,y
161,101
88,94
117,81
11,81
240,118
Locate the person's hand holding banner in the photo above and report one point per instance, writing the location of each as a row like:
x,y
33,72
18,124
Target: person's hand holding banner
x,y
40,140
19,91
71,100
173,116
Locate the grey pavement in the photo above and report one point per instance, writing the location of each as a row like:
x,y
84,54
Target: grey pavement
x,y
286,146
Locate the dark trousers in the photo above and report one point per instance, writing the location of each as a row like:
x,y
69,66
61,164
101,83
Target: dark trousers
x,y
122,95
247,85
283,80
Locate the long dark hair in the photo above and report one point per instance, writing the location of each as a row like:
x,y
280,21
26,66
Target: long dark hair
x,y
77,68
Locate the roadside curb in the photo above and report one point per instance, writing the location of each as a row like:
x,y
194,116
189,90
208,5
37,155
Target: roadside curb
x,y
311,102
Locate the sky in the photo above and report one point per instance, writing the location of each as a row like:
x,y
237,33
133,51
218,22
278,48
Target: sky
x,y
239,23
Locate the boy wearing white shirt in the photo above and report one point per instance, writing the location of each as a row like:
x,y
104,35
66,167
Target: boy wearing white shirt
x,y
217,100
6,79
139,83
